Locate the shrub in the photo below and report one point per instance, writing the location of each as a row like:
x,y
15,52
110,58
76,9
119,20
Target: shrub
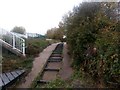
x,y
93,40
35,46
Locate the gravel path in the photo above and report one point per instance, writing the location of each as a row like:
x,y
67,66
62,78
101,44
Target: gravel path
x,y
38,65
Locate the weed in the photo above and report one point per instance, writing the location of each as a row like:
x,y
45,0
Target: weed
x,y
57,83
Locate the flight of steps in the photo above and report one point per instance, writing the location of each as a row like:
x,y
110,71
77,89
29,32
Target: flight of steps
x,y
52,67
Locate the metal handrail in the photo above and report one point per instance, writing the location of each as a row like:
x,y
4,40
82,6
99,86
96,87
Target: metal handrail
x,y
14,40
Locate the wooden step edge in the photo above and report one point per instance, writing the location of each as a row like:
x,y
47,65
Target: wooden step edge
x,y
54,60
52,69
58,58
42,81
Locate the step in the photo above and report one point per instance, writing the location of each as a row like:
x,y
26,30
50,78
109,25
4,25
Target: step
x,y
49,75
54,65
54,60
56,52
56,55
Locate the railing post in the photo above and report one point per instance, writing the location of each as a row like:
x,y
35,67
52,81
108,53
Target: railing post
x,y
13,41
23,47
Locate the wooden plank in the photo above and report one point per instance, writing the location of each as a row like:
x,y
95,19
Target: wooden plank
x,y
1,83
55,57
14,74
10,76
42,81
51,69
5,79
19,72
22,71
1,79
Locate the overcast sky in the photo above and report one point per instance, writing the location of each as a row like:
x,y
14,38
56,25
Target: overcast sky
x,y
36,16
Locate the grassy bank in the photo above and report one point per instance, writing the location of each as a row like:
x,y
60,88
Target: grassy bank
x,y
79,79
11,62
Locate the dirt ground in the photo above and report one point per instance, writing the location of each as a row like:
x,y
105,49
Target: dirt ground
x,y
66,70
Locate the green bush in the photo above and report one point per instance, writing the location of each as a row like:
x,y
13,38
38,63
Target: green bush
x,y
93,40
35,46
108,52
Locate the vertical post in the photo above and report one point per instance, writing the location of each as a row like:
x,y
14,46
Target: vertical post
x,y
13,41
1,31
23,46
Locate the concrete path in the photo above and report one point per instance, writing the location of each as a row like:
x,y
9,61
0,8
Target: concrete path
x,y
66,70
38,65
